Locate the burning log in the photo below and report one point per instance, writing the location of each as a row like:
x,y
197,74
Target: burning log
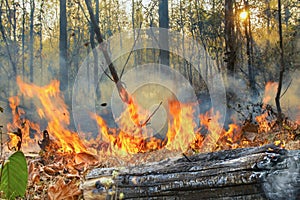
x,y
266,172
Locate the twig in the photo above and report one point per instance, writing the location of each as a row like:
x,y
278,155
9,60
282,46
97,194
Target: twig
x,y
287,88
1,137
186,157
143,124
82,9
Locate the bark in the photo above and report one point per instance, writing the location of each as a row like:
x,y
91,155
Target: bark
x,y
230,37
282,67
247,25
253,173
23,38
31,39
133,28
63,48
41,41
163,33
95,53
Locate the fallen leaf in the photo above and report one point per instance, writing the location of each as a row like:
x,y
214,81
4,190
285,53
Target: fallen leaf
x,y
61,190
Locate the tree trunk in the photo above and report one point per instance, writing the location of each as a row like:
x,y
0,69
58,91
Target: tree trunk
x,y
163,33
125,96
31,39
253,173
282,68
63,48
95,52
41,42
133,29
249,51
230,37
23,38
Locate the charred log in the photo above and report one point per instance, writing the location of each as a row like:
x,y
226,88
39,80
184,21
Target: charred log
x,y
266,172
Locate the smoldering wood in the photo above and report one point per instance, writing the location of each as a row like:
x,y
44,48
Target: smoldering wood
x,y
266,172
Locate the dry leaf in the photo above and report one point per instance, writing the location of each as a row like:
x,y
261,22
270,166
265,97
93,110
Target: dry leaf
x,y
84,157
61,190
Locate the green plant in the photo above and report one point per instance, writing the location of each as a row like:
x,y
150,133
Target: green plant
x,y
14,176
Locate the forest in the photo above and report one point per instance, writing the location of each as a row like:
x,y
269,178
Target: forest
x,y
98,98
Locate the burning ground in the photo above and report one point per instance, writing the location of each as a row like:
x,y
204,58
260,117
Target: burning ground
x,y
58,158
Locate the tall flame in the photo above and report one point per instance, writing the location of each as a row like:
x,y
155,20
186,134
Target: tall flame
x,y
54,109
23,125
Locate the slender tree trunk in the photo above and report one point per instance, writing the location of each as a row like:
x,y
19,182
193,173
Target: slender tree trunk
x,y
163,34
230,37
23,38
124,95
95,53
15,42
63,48
282,67
41,41
249,51
31,39
133,31
182,38
268,14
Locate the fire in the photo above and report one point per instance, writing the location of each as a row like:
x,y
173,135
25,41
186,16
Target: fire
x,y
133,134
181,131
264,124
133,139
19,129
270,92
210,122
54,109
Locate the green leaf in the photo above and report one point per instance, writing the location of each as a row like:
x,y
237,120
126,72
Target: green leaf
x,y
14,176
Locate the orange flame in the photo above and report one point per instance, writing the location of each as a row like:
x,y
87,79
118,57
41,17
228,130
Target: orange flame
x,y
270,92
55,111
24,125
132,136
181,131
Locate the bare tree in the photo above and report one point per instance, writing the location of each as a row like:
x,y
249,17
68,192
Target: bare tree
x,y
249,51
282,66
63,47
31,39
163,34
40,33
23,37
93,45
230,37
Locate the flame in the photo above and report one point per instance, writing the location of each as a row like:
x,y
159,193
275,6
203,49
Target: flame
x,y
270,92
210,122
181,131
22,127
134,139
54,109
133,135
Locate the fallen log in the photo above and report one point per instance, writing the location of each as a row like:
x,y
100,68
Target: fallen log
x,y
266,172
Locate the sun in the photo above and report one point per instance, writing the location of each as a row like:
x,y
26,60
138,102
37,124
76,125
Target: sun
x,y
243,15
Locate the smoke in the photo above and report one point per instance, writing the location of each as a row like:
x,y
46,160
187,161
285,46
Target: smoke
x,y
290,100
290,95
